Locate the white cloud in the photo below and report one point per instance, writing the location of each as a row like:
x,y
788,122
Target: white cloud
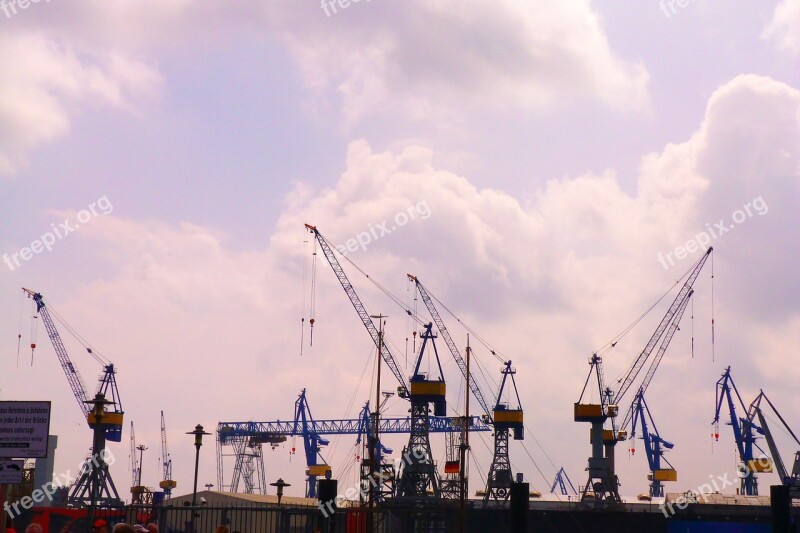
x,y
43,82
431,58
784,28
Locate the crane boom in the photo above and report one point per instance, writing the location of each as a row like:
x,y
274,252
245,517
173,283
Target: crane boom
x,y
360,309
73,376
437,319
651,344
673,327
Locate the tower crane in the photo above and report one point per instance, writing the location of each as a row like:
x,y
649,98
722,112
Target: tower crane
x,y
791,480
744,434
167,484
111,420
498,482
418,474
603,484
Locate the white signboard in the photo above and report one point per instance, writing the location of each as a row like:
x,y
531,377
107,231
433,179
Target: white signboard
x,y
11,470
24,427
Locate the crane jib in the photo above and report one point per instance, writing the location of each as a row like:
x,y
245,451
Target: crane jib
x,y
360,309
673,309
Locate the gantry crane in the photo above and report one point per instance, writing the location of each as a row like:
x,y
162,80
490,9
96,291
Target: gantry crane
x,y
312,442
166,484
654,445
561,481
744,434
418,478
791,480
111,420
502,417
242,434
603,484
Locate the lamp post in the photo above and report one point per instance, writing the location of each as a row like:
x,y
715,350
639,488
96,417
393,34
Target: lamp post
x,y
280,484
208,486
198,442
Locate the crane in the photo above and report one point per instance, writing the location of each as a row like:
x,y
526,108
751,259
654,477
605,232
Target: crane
x,y
791,480
498,482
744,434
418,475
603,484
312,441
561,480
167,484
243,434
111,420
505,419
655,446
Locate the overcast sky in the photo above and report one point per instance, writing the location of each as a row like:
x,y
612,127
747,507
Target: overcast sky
x,y
545,167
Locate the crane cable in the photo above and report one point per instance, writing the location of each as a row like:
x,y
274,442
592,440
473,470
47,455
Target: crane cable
x,y
303,296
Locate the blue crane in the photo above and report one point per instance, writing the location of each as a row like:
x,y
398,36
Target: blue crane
x,y
788,479
313,433
561,480
654,447
603,484
744,434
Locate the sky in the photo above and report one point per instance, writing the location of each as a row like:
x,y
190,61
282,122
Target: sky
x,y
547,168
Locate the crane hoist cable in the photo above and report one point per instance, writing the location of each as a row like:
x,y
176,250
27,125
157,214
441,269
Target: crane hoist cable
x,y
303,295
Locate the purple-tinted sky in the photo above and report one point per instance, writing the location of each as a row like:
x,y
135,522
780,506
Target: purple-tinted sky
x,y
550,151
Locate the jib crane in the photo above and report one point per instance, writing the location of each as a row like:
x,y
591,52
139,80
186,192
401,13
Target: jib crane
x,y
312,442
561,481
744,433
603,484
111,420
140,495
167,484
418,479
502,417
791,480
654,445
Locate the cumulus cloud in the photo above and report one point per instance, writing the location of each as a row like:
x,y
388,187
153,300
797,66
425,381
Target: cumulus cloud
x,y
547,282
44,81
431,58
784,28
